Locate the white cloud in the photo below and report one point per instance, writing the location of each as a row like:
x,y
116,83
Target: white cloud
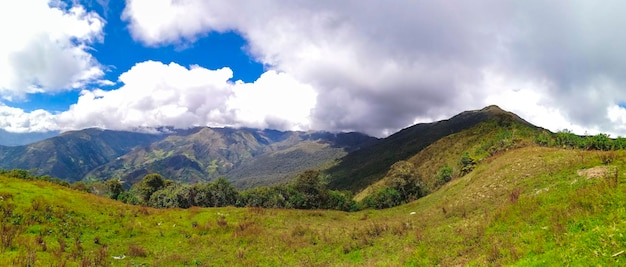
x,y
17,121
275,101
379,66
154,94
617,115
44,47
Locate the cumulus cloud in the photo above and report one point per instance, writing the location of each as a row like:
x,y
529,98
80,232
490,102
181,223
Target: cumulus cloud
x,y
17,121
379,66
154,94
45,47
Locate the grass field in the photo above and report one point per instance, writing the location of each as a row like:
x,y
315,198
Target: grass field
x,y
527,206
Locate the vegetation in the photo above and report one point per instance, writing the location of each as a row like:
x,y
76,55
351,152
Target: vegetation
x,y
364,167
500,192
527,206
567,139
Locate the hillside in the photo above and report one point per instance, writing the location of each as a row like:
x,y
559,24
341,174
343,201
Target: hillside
x,y
479,142
71,155
525,206
247,156
19,139
364,167
190,155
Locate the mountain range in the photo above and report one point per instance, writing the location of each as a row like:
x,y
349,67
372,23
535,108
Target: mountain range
x,y
248,157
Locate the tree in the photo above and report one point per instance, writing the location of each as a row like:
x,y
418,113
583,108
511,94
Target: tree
x,y
147,186
382,198
467,163
445,174
404,179
224,194
80,186
341,200
601,142
313,190
114,188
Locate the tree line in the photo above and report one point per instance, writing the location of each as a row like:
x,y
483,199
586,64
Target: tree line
x,y
307,191
567,139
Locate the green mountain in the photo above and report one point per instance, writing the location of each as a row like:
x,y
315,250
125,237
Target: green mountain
x,y
71,155
456,154
249,157
366,166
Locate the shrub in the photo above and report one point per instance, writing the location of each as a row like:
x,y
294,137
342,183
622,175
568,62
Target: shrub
x,y
385,197
445,174
467,163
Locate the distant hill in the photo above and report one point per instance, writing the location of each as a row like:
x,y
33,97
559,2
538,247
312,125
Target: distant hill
x,y
19,139
249,157
364,167
191,155
71,155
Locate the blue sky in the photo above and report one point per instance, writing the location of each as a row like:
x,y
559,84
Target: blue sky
x,y
119,52
367,66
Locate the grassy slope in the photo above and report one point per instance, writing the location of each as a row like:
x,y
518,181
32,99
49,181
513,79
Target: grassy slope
x,y
366,166
480,141
527,206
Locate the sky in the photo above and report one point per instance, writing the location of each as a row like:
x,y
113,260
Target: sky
x,y
368,66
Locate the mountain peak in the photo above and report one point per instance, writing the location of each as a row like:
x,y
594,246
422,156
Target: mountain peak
x,y
493,108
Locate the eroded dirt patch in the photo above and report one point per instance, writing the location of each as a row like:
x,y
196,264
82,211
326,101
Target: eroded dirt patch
x,y
597,172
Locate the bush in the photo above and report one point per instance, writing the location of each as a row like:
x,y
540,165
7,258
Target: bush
x,y
341,201
445,174
385,197
467,163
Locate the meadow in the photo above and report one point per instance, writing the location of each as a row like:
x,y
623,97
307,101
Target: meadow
x,y
527,206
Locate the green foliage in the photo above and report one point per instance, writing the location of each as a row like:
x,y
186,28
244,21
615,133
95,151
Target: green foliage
x,y
80,186
445,174
114,188
467,163
402,186
383,198
314,193
147,186
308,191
341,200
219,193
404,179
544,138
601,142
173,196
566,139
